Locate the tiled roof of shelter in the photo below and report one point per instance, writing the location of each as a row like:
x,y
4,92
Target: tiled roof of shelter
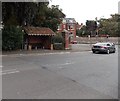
x,y
39,31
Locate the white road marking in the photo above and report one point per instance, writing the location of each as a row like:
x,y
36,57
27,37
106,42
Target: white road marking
x,y
59,66
11,71
67,63
1,66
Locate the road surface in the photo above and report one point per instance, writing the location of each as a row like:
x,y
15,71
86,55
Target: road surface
x,y
70,75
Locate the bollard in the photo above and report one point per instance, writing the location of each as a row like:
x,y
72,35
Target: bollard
x,y
51,46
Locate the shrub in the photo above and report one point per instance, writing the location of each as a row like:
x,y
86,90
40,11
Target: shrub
x,y
58,46
58,42
11,38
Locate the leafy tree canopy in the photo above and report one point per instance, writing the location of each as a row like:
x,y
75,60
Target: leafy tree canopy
x,y
31,14
110,26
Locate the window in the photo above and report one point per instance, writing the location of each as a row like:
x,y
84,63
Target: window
x,y
108,44
70,27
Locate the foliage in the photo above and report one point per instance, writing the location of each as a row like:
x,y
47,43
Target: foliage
x,y
58,41
110,26
24,12
11,38
82,32
49,17
31,14
91,25
58,46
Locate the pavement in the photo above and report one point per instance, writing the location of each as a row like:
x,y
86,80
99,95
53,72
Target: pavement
x,y
39,52
74,48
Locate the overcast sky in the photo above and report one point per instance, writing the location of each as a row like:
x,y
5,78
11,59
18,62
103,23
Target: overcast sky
x,y
83,10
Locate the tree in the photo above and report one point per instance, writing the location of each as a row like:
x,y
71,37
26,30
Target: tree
x,y
82,31
31,14
110,26
40,17
49,17
12,38
91,27
23,12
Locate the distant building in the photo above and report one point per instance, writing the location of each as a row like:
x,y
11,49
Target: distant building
x,y
70,25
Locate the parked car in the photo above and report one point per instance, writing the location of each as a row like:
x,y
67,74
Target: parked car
x,y
73,42
105,47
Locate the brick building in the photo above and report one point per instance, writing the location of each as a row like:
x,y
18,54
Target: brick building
x,y
70,25
37,37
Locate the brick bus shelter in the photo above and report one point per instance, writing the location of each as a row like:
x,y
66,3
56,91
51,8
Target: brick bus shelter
x,y
37,38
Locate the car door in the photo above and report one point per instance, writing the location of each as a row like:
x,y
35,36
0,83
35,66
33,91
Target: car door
x,y
112,47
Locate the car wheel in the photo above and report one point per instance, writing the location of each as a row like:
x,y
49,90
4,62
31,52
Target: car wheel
x,y
108,51
114,51
93,51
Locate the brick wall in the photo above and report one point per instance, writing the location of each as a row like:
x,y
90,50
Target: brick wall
x,y
97,39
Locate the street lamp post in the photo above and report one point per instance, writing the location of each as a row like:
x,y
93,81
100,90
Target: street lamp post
x,y
1,25
97,29
22,39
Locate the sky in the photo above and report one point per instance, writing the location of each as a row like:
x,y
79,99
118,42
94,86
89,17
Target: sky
x,y
83,10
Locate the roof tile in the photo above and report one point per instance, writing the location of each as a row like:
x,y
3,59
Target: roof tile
x,y
38,31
